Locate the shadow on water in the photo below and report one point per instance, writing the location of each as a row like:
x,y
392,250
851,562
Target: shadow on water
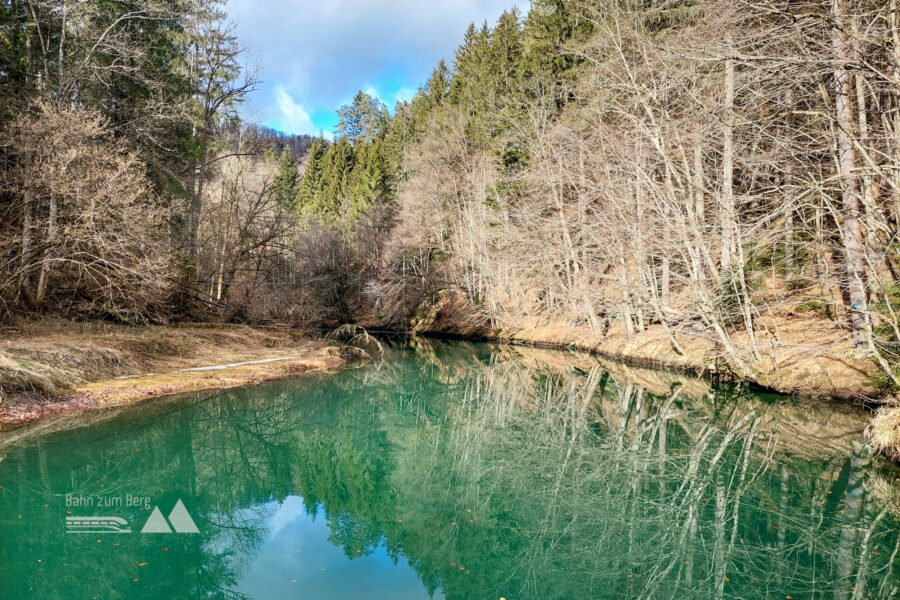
x,y
461,471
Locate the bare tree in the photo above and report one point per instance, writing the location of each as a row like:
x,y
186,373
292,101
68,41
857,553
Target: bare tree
x,y
91,227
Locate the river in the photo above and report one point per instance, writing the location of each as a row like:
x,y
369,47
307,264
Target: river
x,y
459,471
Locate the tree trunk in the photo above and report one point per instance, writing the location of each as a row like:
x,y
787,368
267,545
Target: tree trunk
x,y
45,261
787,187
62,54
854,248
195,207
699,202
665,283
27,219
727,208
895,72
626,298
869,194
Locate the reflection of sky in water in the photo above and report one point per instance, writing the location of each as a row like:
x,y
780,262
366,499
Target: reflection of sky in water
x,y
297,548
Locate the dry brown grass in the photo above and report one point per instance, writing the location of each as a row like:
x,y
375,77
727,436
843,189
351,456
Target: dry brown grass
x,y
48,368
884,432
52,357
804,355
51,367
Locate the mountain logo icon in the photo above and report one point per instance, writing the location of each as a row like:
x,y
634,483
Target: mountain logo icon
x,y
179,519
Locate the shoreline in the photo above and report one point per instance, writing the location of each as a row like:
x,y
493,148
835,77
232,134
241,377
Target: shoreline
x,y
710,367
809,358
823,373
200,359
196,358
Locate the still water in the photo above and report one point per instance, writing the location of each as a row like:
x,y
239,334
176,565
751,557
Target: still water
x,y
458,471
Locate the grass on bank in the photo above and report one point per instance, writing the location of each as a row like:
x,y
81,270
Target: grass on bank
x,y
53,356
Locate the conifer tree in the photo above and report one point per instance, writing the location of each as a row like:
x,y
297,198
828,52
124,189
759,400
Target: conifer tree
x,y
400,132
330,194
285,184
437,88
505,52
470,85
550,25
312,175
363,119
466,64
369,179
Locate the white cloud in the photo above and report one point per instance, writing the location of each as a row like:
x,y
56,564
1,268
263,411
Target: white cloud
x,y
322,52
294,118
405,94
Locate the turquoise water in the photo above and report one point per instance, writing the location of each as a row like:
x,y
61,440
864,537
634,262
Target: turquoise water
x,y
459,471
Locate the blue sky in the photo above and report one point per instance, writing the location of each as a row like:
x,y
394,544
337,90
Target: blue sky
x,y
315,55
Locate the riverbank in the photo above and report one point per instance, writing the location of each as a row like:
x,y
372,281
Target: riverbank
x,y
56,368
799,356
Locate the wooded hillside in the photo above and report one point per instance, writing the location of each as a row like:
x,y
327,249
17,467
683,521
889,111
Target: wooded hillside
x,y
716,169
723,170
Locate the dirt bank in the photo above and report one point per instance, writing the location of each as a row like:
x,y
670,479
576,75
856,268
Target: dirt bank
x,y
54,368
798,356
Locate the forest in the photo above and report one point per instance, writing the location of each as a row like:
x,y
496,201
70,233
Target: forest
x,y
723,171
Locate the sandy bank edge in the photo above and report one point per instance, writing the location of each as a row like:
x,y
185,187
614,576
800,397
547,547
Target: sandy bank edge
x,y
209,360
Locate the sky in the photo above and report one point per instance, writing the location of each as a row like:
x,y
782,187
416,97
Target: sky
x,y
316,54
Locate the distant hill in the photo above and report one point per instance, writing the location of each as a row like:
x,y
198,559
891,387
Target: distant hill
x,y
298,144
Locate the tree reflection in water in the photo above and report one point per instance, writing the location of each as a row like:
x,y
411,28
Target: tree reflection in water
x,y
494,471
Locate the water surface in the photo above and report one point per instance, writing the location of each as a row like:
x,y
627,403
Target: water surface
x,y
459,471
